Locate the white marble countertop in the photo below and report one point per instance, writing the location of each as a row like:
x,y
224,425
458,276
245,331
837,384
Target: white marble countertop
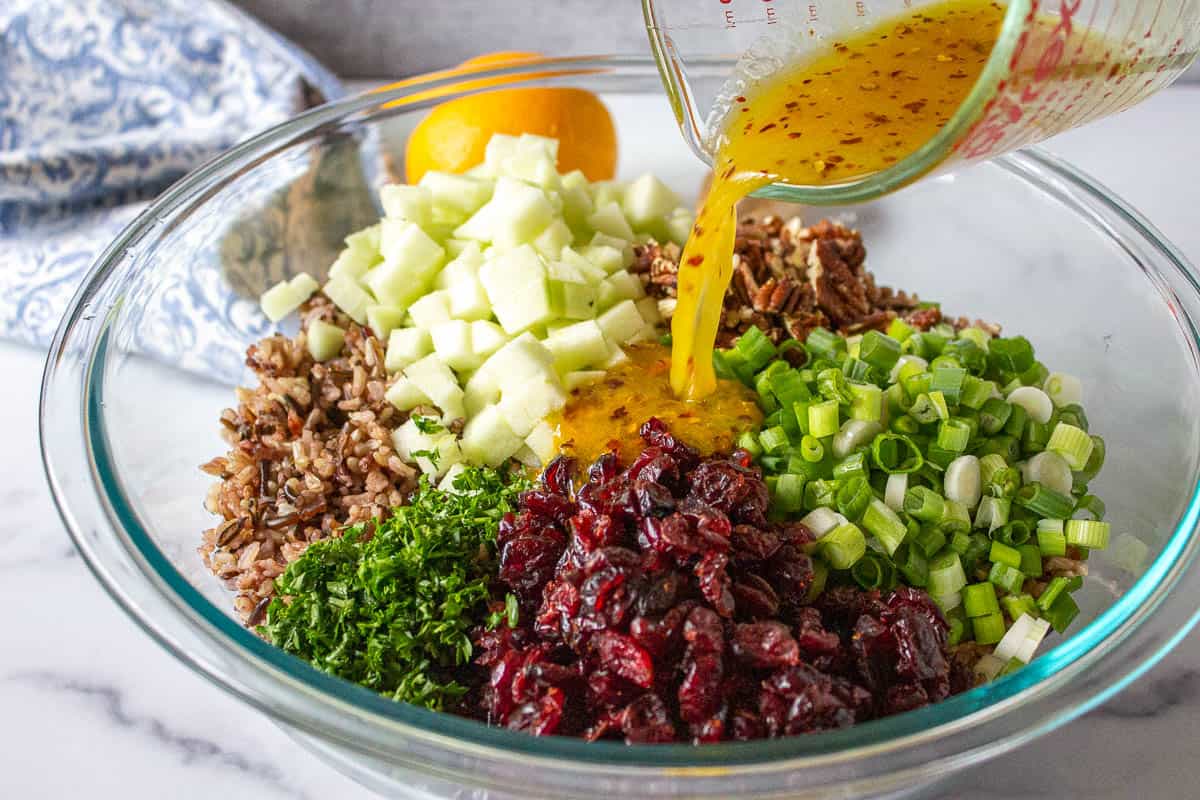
x,y
89,704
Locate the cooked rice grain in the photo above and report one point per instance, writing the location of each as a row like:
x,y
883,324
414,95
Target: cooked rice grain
x,y
310,452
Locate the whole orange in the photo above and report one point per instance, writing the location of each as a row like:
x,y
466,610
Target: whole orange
x,y
452,138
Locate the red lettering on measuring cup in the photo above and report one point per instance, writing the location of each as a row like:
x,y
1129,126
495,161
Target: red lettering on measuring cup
x,y
1010,108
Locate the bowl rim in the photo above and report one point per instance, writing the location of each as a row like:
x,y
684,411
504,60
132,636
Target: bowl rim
x,y
336,709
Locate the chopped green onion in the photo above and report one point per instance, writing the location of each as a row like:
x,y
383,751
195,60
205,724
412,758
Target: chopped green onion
x,y
866,401
820,493
1002,553
749,442
1035,402
832,385
1062,613
917,384
912,564
955,518
929,541
773,440
1035,375
1063,389
1089,534
843,546
980,599
879,350
1014,533
994,415
1056,587
874,571
1095,461
924,504
825,344
959,542
976,392
1021,641
896,453
978,336
756,349
822,520
950,603
811,449
853,465
900,330
1072,443
895,489
789,388
1051,540
1013,354
946,574
854,434
859,371
905,425
852,344
820,577
1044,502
961,483
924,410
953,435
1017,604
789,492
896,401
993,512
907,366
989,465
1004,483
968,353
1031,560
1018,418
1010,579
928,344
1050,470
853,497
1005,446
940,457
976,551
1092,505
1074,415
884,525
823,418
948,381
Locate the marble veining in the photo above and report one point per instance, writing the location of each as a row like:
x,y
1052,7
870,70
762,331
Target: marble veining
x,y
90,705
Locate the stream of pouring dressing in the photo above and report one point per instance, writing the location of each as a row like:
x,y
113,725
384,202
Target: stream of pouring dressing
x,y
856,109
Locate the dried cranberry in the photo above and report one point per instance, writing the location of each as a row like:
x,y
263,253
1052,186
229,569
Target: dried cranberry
x,y
672,534
527,562
652,499
646,721
812,638
765,645
746,725
606,689
559,475
658,636
655,434
801,699
755,598
604,469
594,530
755,543
738,492
541,718
715,583
791,572
622,655
700,689
554,508
656,466
703,631
660,594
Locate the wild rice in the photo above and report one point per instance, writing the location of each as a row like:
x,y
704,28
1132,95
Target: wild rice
x,y
310,452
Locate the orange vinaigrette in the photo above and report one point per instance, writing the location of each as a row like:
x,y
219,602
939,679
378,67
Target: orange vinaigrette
x,y
857,109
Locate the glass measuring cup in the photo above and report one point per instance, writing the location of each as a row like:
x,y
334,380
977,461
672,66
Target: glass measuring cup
x,y
1055,65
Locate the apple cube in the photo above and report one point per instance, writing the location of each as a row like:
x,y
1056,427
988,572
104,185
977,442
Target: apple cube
x,y
406,345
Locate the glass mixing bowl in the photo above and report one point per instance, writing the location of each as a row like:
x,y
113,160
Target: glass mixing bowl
x,y
140,370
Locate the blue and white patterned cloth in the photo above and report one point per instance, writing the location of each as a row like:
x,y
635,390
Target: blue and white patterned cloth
x,y
105,103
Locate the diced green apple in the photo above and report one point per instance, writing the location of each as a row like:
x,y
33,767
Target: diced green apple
x,y
385,319
648,308
487,337
609,220
403,202
434,378
621,323
679,226
581,378
591,273
430,309
452,344
621,285
604,192
573,300
516,285
352,263
541,441
516,213
488,439
550,242
577,346
324,340
604,257
405,346
350,297
404,395
463,194
365,240
280,300
529,402
623,245
647,202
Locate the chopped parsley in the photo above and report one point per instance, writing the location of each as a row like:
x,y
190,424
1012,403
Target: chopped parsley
x,y
394,611
428,424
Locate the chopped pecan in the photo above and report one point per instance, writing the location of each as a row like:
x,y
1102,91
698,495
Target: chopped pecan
x,y
839,295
